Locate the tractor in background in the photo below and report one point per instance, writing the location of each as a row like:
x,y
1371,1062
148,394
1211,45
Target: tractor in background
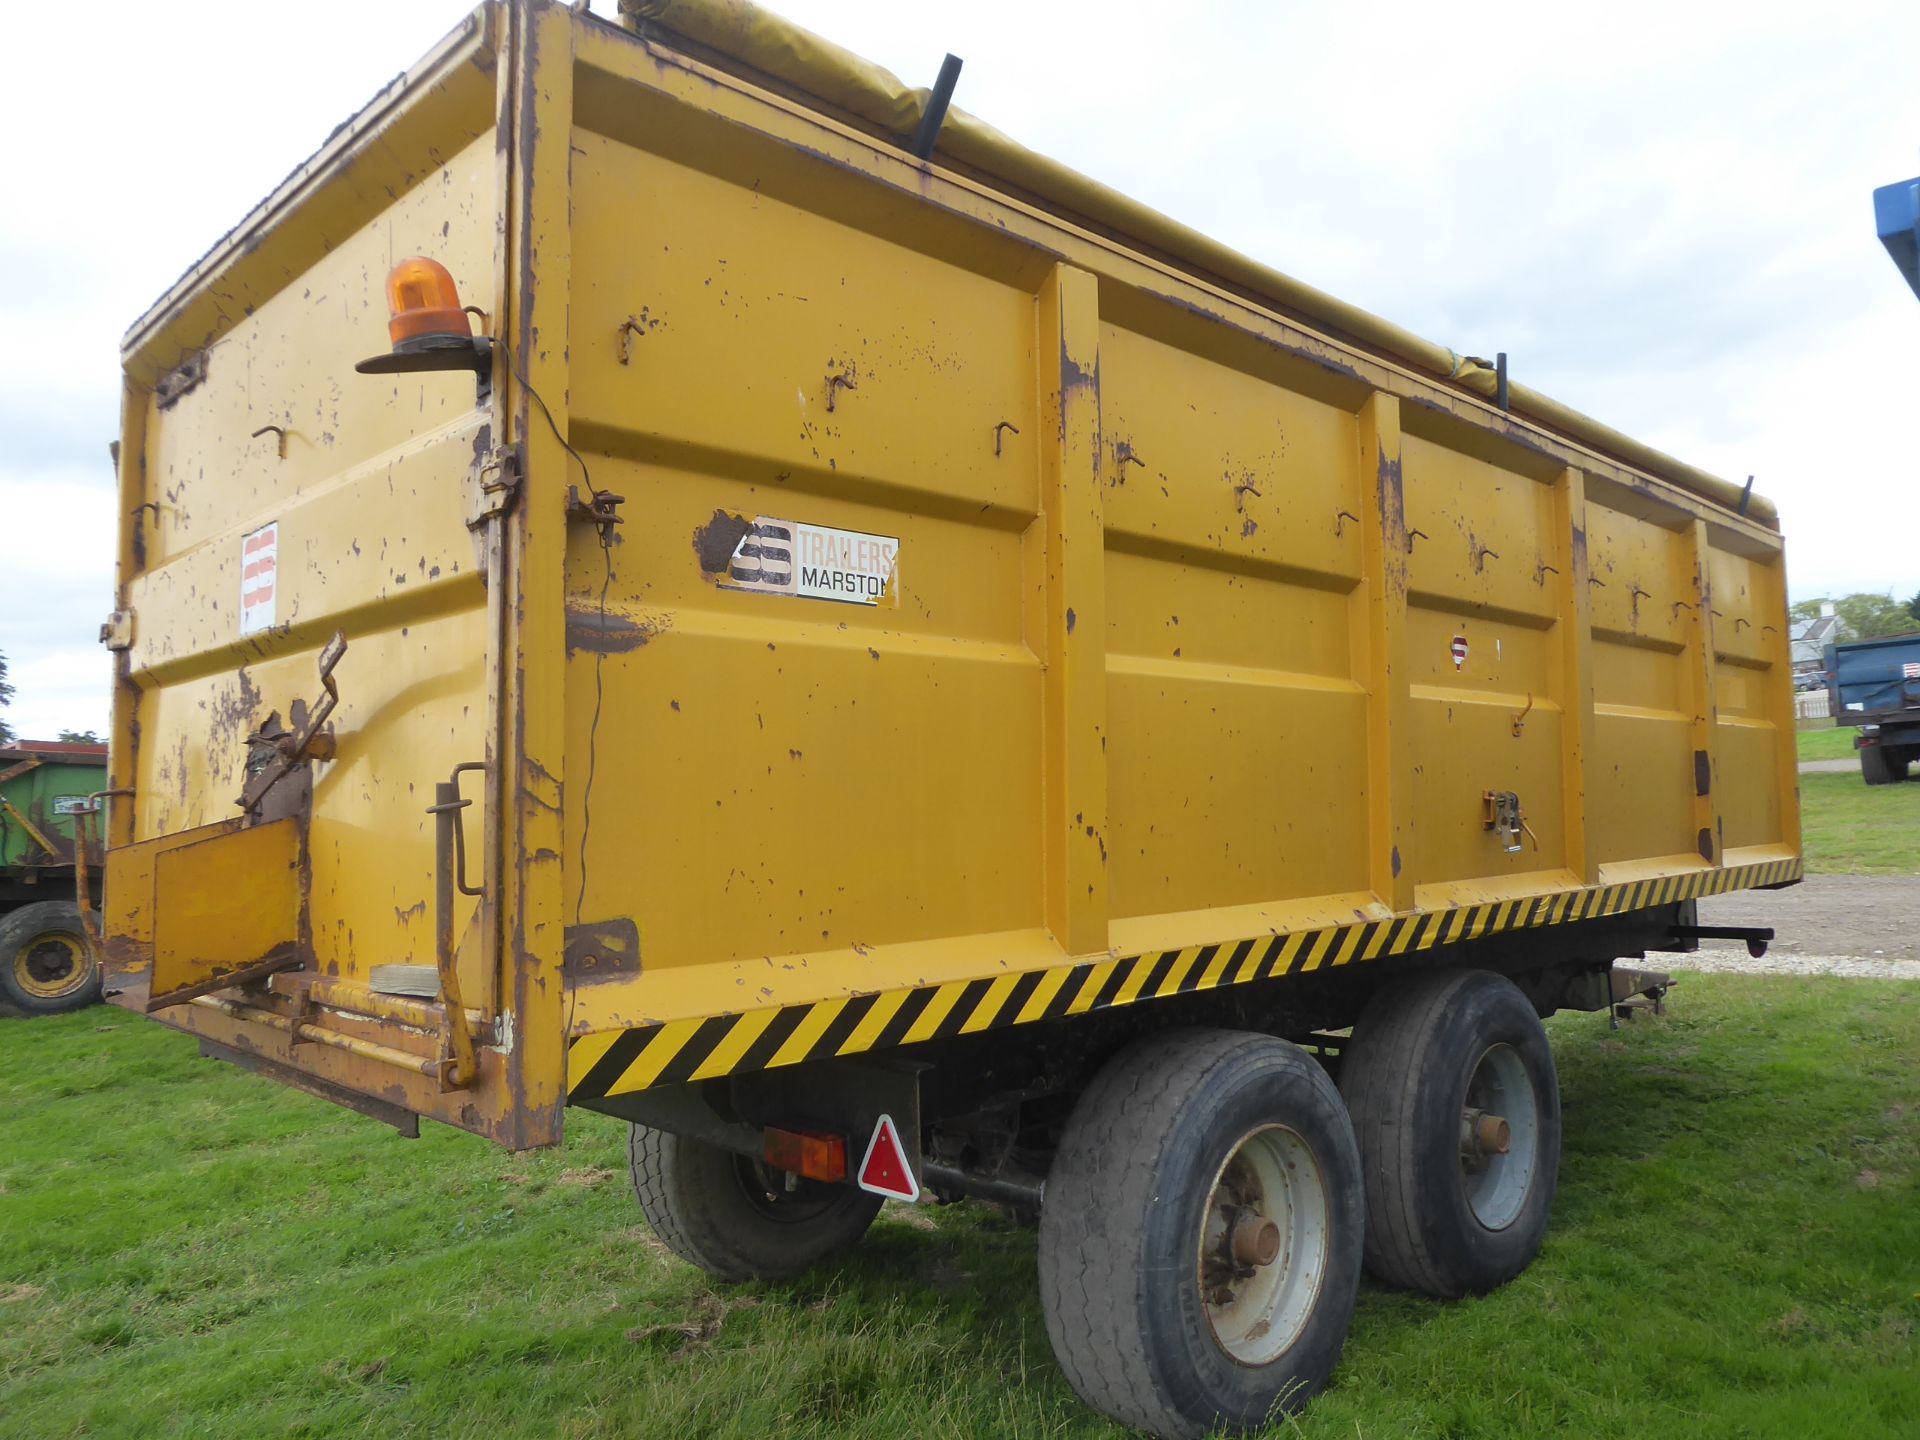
x,y
48,961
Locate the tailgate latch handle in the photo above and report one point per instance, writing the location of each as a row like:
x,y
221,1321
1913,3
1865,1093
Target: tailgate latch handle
x,y
458,1062
1501,813
273,753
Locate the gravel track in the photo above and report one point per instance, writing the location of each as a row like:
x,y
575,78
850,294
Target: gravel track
x,y
1852,926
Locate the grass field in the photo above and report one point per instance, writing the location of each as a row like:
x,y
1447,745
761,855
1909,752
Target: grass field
x,y
1848,827
186,1249
1828,744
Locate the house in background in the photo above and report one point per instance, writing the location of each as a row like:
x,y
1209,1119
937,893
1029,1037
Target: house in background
x,y
1810,640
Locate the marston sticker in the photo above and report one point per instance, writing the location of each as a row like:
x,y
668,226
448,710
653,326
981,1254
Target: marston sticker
x,y
814,562
259,562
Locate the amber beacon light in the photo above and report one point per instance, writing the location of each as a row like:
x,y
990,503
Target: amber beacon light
x,y
427,325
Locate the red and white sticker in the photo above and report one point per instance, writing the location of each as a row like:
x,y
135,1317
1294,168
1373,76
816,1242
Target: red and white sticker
x,y
259,577
885,1171
1910,670
1459,651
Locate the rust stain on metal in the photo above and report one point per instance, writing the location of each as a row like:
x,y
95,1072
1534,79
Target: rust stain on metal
x,y
602,950
714,541
600,632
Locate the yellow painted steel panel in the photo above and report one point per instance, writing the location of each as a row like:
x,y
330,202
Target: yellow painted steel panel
x,y
1198,637
226,902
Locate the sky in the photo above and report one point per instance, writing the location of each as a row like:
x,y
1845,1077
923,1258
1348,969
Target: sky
x,y
1662,212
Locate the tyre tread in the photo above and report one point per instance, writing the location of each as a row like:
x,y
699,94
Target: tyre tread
x,y
676,1180
1377,1071
17,926
1105,1171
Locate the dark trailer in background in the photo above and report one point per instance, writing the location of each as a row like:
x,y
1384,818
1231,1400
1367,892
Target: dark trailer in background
x,y
1896,215
1875,684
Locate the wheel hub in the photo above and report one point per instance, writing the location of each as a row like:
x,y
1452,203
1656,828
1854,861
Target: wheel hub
x,y
1263,1245
1483,1135
1253,1240
50,966
1499,1138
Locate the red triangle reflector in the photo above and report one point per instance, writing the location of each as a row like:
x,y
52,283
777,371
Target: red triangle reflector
x,y
885,1170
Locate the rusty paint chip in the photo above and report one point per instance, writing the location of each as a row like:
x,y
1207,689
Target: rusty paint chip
x,y
714,541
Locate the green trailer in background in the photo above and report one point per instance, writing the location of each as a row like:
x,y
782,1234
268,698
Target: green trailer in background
x,y
47,962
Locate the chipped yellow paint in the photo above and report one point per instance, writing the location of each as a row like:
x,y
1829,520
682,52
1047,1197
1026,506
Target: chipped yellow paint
x,y
1206,632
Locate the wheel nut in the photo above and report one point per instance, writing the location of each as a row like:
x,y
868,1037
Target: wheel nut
x,y
1492,1135
1255,1240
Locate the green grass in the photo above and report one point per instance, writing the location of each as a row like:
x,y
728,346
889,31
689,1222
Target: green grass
x,y
1848,827
1829,744
187,1249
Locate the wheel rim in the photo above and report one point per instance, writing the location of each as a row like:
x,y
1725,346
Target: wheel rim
x,y
1268,1198
1498,1181
52,966
785,1198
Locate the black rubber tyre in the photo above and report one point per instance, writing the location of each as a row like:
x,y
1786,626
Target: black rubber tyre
x,y
1877,766
47,963
1422,1052
734,1217
1125,1229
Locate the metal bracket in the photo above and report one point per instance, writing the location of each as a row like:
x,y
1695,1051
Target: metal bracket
x,y
402,1119
472,353
1756,936
116,631
600,510
82,844
182,379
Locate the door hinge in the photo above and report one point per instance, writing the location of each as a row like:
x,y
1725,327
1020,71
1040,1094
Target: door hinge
x,y
495,483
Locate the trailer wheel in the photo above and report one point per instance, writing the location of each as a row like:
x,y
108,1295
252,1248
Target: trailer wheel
x,y
1200,1239
1877,767
1456,1107
738,1218
47,963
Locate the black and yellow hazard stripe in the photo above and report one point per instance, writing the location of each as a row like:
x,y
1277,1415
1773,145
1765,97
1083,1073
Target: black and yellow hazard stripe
x,y
618,1062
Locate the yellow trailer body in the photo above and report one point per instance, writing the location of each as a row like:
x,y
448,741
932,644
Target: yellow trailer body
x,y
878,603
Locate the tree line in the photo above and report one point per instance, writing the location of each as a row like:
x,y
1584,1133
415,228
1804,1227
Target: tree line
x,y
1866,616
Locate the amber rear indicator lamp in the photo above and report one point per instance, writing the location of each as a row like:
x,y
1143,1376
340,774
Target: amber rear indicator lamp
x,y
808,1153
428,326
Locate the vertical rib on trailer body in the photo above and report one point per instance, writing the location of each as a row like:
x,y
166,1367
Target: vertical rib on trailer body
x,y
886,610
